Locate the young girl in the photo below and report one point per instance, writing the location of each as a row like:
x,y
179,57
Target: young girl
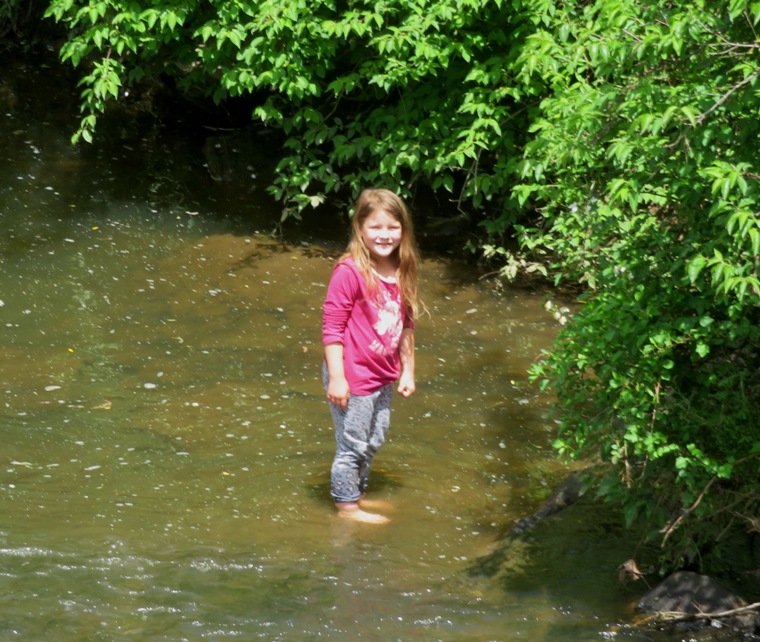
x,y
368,334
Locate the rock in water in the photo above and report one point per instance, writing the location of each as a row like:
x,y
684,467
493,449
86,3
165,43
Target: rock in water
x,y
690,594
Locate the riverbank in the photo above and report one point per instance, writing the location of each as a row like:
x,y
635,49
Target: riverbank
x,y
573,525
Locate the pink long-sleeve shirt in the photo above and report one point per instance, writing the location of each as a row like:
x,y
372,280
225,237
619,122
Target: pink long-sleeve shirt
x,y
369,327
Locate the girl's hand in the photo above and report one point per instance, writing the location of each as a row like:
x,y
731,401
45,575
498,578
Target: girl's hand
x,y
338,392
406,385
337,386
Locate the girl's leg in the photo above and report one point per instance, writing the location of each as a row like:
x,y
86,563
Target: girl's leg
x,y
355,440
378,431
352,429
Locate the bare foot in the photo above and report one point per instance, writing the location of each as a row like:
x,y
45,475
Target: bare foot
x,y
354,513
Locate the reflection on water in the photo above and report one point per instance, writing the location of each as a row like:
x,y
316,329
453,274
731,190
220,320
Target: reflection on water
x,y
167,444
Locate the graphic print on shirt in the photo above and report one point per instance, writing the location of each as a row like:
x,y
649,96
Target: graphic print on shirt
x,y
389,323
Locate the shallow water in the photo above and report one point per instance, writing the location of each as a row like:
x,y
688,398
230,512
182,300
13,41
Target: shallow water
x,y
167,443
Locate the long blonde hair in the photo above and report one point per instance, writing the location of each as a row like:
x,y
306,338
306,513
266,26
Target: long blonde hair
x,y
407,254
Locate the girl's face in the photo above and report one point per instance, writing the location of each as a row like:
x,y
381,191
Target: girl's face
x,y
381,233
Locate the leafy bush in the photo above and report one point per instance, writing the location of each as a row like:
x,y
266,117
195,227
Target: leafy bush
x,y
399,92
643,167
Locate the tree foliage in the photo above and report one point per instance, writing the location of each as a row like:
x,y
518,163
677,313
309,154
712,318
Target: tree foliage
x,y
398,92
643,163
616,139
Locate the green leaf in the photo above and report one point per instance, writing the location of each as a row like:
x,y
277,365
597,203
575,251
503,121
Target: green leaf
x,y
695,266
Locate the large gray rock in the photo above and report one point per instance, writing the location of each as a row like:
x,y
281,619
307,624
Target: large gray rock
x,y
697,600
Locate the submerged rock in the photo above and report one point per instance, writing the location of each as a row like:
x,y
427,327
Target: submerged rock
x,y
566,495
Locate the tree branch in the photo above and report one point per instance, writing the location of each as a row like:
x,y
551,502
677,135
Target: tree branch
x,y
700,119
668,530
680,616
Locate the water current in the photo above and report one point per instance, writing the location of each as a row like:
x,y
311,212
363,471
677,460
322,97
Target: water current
x,y
166,442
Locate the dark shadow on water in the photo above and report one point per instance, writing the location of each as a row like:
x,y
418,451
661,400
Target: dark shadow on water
x,y
574,557
150,147
268,247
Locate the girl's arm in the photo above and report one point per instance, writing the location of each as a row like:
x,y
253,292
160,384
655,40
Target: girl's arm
x,y
337,386
406,385
339,301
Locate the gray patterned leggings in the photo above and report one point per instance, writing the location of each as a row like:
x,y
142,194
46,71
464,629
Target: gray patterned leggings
x,y
360,430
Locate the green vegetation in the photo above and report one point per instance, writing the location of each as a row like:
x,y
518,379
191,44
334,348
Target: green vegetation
x,y
616,140
643,165
398,91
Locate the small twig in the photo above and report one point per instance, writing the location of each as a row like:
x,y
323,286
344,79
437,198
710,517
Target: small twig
x,y
668,530
680,616
754,522
700,119
472,173
725,41
632,35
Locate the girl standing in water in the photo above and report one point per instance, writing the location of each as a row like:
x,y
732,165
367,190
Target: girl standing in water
x,y
368,334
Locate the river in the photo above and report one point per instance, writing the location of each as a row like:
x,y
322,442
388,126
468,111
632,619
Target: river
x,y
166,441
